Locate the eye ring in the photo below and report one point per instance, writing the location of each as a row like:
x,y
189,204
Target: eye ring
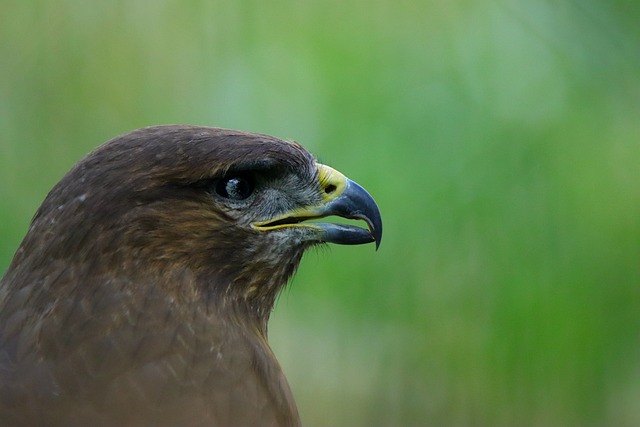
x,y
234,187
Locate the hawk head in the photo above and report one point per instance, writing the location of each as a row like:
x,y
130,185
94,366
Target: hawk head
x,y
142,290
230,210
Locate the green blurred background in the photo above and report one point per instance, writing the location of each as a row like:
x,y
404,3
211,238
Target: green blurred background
x,y
500,138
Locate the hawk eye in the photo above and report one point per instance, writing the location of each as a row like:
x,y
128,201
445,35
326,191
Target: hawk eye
x,y
235,188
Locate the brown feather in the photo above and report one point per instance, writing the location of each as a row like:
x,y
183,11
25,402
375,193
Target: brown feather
x,y
135,299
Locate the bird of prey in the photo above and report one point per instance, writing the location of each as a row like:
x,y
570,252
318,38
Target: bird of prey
x,y
141,293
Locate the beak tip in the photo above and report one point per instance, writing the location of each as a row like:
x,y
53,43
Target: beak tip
x,y
375,227
364,207
377,237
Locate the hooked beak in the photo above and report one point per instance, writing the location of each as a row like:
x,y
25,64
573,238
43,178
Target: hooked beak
x,y
340,197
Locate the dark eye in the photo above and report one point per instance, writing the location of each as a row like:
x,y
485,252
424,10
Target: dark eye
x,y
235,188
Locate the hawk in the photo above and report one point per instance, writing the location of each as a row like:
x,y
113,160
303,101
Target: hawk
x,y
141,293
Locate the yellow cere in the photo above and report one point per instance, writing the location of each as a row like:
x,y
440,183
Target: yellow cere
x,y
332,182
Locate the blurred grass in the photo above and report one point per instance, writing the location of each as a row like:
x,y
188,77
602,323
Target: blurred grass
x,y
500,138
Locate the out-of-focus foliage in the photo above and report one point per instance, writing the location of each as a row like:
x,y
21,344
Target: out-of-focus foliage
x,y
501,139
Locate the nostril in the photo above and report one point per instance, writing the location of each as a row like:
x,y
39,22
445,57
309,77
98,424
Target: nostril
x,y
330,189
